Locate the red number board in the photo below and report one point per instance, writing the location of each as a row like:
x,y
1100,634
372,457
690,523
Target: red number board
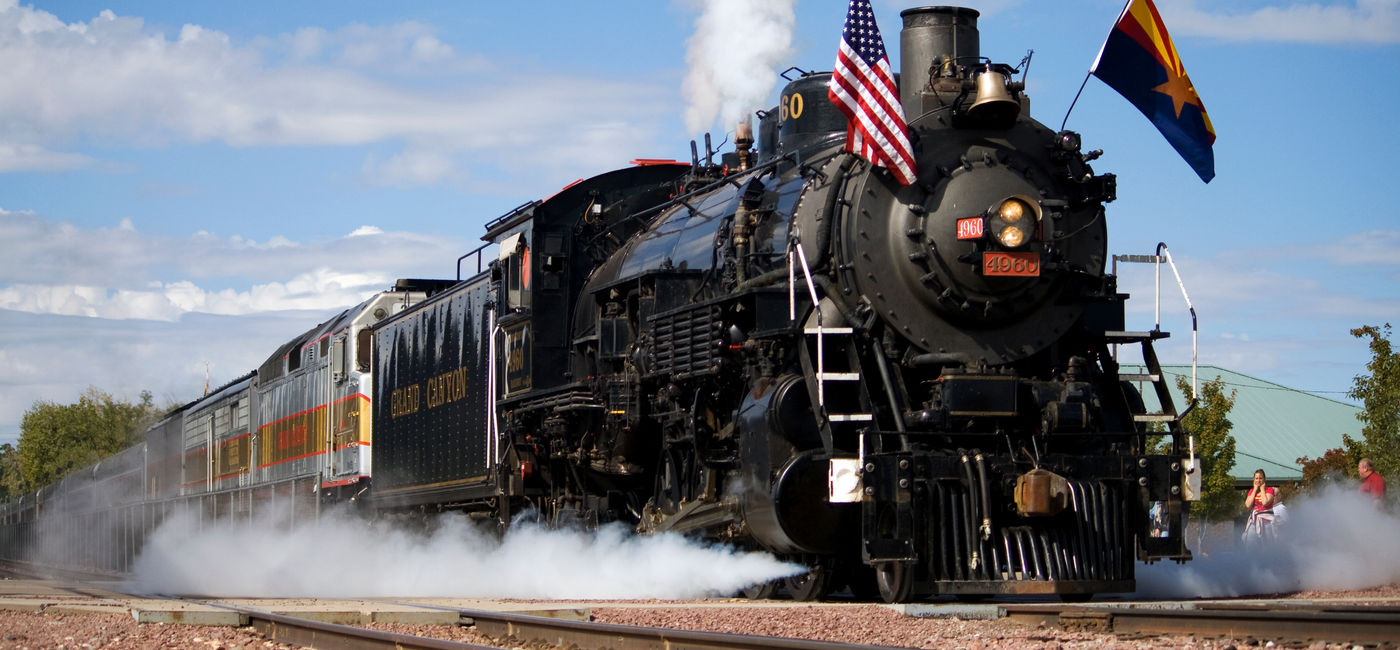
x,y
970,228
1011,264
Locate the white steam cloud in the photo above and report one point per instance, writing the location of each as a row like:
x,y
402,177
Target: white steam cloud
x,y
1339,540
345,556
734,57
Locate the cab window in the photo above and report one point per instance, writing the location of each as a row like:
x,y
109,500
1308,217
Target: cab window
x,y
363,341
518,278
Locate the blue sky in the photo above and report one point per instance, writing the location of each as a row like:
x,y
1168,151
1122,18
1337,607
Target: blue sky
x,y
183,186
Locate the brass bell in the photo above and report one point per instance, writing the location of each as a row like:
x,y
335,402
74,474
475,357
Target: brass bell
x,y
994,106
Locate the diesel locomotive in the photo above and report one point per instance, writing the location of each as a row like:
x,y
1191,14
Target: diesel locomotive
x,y
910,389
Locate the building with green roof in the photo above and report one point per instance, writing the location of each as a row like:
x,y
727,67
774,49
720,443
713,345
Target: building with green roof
x,y
1274,425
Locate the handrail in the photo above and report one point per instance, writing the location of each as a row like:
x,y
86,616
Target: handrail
x,y
1162,252
795,252
478,255
1164,255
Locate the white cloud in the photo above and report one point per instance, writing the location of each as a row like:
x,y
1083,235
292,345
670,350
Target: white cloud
x,y
116,79
409,168
1367,21
1260,286
1282,312
125,258
274,242
29,157
362,45
307,42
429,49
55,357
319,289
1370,248
124,310
18,369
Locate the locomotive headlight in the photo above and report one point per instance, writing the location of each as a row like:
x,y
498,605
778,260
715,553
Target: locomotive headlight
x,y
1013,221
1011,210
1011,236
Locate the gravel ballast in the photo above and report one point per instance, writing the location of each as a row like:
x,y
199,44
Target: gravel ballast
x,y
865,624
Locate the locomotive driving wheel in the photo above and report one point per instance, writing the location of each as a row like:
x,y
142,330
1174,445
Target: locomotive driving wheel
x,y
815,583
761,591
894,581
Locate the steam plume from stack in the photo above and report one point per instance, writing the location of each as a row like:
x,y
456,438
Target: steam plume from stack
x,y
734,57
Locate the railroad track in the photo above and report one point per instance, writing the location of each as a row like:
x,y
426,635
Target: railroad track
x,y
1275,621
503,626
524,628
1286,621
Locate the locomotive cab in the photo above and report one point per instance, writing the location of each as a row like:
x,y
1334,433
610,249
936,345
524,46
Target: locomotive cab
x,y
512,275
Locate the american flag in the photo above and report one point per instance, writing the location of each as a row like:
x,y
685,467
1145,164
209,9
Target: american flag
x,y
863,88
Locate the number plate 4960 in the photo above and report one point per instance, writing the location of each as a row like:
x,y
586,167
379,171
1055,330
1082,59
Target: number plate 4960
x,y
1011,264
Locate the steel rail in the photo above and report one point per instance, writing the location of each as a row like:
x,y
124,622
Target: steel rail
x,y
584,634
305,632
1303,622
286,629
315,634
522,627
499,625
1295,624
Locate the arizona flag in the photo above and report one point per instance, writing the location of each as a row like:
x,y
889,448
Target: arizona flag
x,y
862,87
1139,61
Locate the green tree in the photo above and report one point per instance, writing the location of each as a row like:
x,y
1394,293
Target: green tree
x,y
1210,423
1379,393
10,482
56,439
1331,466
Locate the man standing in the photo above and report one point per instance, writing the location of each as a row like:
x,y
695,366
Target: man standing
x,y
1371,482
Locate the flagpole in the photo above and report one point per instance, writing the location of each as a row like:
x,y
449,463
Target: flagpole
x,y
1076,98
1126,6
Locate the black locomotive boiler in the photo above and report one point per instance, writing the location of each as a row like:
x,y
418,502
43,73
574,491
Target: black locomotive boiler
x,y
910,389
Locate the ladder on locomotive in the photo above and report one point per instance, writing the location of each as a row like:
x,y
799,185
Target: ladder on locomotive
x,y
844,339
1153,374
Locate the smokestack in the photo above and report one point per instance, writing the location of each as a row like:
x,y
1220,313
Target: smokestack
x,y
743,141
929,33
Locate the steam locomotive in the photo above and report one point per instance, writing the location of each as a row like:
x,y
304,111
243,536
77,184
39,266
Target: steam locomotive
x,y
909,389
912,390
